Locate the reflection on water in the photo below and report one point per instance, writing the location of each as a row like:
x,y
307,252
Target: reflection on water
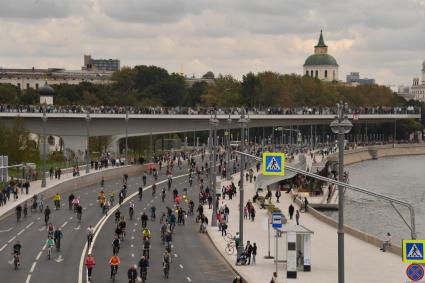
x,y
398,177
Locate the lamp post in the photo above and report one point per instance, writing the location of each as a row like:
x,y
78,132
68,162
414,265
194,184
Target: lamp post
x,y
88,118
43,167
213,146
243,121
341,126
229,122
126,137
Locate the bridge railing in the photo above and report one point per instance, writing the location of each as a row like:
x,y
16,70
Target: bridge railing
x,y
78,109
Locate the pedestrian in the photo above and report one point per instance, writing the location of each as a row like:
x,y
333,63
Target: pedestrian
x,y
305,204
26,186
254,253
25,209
90,263
297,217
245,212
291,211
274,278
223,227
248,251
252,213
278,194
237,279
387,243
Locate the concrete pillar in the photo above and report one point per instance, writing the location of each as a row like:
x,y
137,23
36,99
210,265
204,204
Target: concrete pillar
x,y
76,144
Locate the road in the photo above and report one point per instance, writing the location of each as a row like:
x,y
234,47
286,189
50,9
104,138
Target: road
x,y
194,258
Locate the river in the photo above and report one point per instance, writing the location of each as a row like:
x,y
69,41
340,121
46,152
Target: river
x,y
400,177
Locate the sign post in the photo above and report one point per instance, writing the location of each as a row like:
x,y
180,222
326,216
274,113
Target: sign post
x,y
273,164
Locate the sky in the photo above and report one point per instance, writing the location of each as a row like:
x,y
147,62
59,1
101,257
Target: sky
x,y
381,39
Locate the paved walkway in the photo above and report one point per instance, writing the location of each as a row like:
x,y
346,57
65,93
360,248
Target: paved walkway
x,y
35,188
364,263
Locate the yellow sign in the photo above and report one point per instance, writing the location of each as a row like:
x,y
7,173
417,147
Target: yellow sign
x,y
413,251
273,164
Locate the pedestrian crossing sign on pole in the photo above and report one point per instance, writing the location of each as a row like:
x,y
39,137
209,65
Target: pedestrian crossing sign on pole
x,y
413,251
273,164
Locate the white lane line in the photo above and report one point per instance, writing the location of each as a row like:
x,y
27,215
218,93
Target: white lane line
x,y
70,218
29,225
91,204
7,230
20,232
132,245
39,255
135,224
175,255
132,237
28,278
44,247
132,255
134,230
33,267
64,224
181,266
13,238
188,279
2,248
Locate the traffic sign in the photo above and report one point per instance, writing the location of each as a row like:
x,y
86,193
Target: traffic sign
x,y
277,220
413,251
415,272
273,164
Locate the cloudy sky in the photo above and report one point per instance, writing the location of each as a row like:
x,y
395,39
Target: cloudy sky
x,y
384,39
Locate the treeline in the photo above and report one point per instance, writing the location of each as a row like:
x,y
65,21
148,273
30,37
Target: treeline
x,y
154,86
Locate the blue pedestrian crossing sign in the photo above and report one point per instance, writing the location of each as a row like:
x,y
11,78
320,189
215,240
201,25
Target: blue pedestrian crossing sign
x,y
413,251
273,164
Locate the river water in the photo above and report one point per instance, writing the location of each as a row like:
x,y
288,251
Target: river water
x,y
398,177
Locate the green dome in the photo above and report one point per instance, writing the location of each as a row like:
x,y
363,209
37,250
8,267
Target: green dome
x,y
320,60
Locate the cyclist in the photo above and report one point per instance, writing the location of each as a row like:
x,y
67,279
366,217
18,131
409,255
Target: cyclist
x,y
163,194
46,214
190,180
166,260
101,198
153,189
102,182
18,212
146,234
57,201
90,233
57,236
143,265
146,248
145,175
117,216
75,203
131,210
191,207
70,199
132,274
168,239
50,230
164,228
144,219
140,193
170,181
105,207
121,196
41,203
116,245
153,212
111,197
175,193
49,243
114,262
17,252
122,225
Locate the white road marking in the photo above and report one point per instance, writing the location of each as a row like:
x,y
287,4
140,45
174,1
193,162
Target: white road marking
x,y
2,248
91,204
33,267
29,225
175,255
132,237
42,229
86,193
39,255
135,224
28,278
7,230
20,232
13,238
132,255
134,230
44,247
188,279
181,266
64,224
70,218
132,245
38,218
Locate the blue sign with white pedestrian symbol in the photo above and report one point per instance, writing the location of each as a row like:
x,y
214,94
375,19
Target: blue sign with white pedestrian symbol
x,y
413,251
276,220
273,164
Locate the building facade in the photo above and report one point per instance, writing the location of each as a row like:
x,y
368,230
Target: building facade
x,y
321,65
354,79
110,65
417,91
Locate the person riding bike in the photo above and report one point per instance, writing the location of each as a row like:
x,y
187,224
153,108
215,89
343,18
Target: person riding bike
x,y
57,236
18,212
50,243
144,178
153,189
57,201
47,212
166,260
17,252
144,219
116,245
153,212
146,248
122,225
90,233
114,262
79,212
163,194
132,274
146,234
50,230
117,216
111,197
143,265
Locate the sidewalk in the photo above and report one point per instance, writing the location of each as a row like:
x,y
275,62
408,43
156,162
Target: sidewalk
x,y
35,188
364,263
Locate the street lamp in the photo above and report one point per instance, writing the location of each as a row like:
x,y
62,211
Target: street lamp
x,y
88,118
213,146
341,126
229,122
243,121
43,167
126,137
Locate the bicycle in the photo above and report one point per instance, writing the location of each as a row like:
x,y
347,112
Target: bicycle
x,y
46,219
49,252
166,269
16,261
114,272
144,274
230,248
228,237
131,213
79,217
89,239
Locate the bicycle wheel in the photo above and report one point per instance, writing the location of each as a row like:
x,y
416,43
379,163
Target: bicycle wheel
x,y
228,238
230,249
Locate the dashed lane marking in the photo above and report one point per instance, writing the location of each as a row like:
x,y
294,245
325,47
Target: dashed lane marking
x,y
11,239
38,218
175,255
188,279
28,278
29,225
70,218
33,266
3,247
39,255
181,266
132,255
20,232
64,224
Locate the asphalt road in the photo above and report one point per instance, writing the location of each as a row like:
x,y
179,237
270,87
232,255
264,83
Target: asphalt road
x,y
194,257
